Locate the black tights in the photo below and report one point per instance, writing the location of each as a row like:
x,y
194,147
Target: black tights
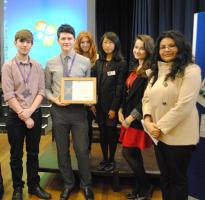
x,y
134,158
108,141
1,179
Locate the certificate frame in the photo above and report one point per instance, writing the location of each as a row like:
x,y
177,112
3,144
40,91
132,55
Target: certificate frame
x,y
76,90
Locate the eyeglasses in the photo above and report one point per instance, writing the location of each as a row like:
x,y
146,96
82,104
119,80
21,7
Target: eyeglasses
x,y
169,47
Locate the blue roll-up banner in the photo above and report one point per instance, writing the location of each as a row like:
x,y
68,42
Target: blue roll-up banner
x,y
196,172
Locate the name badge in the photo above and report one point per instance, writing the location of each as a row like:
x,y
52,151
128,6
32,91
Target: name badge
x,y
111,73
26,93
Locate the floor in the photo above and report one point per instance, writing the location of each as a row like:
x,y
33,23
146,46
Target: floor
x,y
52,182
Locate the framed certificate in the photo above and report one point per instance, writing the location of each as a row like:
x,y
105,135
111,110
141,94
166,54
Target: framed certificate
x,y
78,90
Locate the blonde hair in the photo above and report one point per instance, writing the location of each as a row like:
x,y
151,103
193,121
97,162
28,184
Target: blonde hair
x,y
92,52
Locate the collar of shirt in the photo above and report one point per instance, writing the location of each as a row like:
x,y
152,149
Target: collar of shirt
x,y
70,55
28,62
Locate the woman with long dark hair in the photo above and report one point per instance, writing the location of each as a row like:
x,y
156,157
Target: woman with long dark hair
x,y
132,136
170,113
110,71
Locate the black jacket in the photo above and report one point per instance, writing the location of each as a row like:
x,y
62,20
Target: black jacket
x,y
109,88
133,99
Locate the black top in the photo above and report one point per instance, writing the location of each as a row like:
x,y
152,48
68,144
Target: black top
x,y
133,99
110,80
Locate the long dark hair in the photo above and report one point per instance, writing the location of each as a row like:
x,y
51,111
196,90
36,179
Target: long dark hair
x,y
183,57
149,49
117,54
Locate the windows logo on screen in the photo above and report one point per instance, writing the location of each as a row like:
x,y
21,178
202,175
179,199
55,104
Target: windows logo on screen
x,y
45,33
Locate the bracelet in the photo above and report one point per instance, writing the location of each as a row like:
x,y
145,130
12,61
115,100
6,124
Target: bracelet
x,y
126,122
135,114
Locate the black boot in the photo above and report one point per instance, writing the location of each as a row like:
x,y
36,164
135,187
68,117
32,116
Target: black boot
x,y
134,193
146,193
39,192
17,194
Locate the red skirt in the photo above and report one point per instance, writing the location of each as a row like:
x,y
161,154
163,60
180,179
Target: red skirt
x,y
133,137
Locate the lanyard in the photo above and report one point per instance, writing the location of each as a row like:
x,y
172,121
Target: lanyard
x,y
66,69
25,79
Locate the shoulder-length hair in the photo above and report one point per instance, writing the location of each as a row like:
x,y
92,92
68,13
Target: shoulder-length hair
x,y
117,54
92,52
149,49
183,57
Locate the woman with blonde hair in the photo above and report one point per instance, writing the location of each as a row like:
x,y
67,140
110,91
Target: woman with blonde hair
x,y
85,46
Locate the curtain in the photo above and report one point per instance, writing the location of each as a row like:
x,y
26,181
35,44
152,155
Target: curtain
x,y
115,16
131,17
155,16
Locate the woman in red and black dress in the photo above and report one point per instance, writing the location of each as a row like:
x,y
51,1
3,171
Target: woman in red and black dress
x,y
132,136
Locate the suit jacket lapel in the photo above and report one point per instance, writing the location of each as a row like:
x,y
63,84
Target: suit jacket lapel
x,y
136,85
100,73
110,66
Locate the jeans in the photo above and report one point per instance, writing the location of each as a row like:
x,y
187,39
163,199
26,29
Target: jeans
x,y
17,133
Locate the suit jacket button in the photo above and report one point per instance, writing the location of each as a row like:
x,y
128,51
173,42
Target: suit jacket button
x,y
164,103
165,84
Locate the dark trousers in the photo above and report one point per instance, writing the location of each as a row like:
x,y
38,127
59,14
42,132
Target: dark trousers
x,y
134,158
173,163
72,118
17,132
90,127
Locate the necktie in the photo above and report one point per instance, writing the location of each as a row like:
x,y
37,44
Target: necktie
x,y
66,65
66,60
